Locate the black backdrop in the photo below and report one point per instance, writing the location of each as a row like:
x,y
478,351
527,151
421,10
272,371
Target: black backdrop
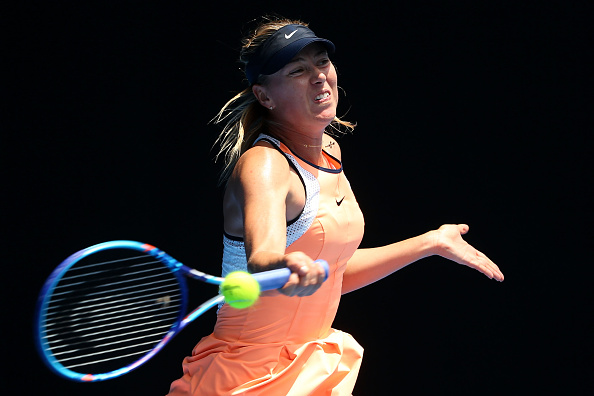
x,y
473,112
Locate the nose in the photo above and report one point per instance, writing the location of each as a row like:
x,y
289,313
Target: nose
x,y
319,77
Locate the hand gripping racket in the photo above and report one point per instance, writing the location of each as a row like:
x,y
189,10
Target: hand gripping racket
x,y
108,309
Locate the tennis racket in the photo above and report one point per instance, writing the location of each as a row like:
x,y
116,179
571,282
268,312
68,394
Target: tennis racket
x,y
107,309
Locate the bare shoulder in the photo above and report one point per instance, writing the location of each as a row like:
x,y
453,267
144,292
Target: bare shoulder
x,y
260,166
331,146
259,180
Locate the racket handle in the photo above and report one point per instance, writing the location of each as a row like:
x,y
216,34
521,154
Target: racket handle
x,y
275,279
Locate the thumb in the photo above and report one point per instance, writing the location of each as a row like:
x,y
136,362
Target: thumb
x,y
463,228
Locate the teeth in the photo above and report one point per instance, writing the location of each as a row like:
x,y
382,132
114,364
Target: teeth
x,y
322,96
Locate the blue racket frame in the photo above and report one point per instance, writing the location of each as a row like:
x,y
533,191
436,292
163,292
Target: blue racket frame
x,y
268,280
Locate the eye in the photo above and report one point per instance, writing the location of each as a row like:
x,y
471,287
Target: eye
x,y
324,62
296,71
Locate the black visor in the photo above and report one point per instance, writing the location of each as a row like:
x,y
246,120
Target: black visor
x,y
280,48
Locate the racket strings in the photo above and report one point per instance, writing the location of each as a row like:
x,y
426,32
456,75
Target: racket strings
x,y
109,320
107,311
98,336
106,303
105,281
110,307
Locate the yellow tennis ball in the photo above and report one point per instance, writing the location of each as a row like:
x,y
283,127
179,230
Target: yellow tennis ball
x,y
240,289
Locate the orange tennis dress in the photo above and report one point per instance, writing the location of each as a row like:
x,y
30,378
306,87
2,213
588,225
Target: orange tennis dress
x,y
286,345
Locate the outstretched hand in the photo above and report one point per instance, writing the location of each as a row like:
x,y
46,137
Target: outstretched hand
x,y
451,245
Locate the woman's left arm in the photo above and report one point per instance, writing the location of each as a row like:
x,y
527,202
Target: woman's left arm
x,y
370,265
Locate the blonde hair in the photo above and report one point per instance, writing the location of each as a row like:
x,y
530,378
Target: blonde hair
x,y
243,116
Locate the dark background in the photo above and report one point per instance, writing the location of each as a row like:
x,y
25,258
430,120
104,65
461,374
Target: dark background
x,y
475,112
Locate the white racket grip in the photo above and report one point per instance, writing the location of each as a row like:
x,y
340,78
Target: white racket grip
x,y
275,279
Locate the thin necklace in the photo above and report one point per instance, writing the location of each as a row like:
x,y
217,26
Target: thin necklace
x,y
311,146
329,145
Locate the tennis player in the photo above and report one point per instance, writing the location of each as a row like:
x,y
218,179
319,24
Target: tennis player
x,y
288,203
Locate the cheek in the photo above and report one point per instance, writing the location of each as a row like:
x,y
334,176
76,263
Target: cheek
x,y
332,75
291,94
333,81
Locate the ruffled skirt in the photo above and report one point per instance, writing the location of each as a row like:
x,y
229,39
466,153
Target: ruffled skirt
x,y
327,366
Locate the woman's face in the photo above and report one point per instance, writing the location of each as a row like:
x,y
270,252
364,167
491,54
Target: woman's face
x,y
304,93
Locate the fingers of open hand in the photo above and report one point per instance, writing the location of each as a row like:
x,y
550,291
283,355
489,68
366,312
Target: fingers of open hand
x,y
483,264
452,246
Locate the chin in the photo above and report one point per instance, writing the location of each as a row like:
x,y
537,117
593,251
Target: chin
x,y
328,113
326,120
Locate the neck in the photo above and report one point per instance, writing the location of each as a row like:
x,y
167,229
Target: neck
x,y
306,145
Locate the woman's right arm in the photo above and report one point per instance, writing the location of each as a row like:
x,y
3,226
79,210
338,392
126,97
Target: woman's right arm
x,y
260,185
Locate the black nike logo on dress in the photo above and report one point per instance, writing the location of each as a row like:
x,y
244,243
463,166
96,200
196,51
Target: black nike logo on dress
x,y
339,202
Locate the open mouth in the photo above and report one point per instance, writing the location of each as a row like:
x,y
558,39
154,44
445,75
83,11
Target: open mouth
x,y
322,96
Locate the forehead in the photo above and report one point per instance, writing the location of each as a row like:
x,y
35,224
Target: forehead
x,y
313,49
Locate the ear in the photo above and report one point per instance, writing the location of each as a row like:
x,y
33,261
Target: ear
x,y
262,97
